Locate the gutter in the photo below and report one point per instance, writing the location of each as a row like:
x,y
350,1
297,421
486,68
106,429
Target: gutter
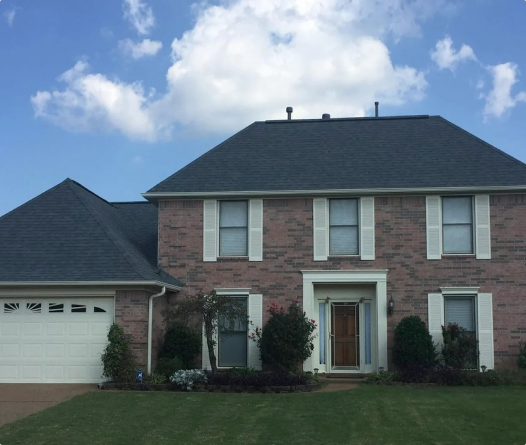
x,y
150,325
337,192
88,283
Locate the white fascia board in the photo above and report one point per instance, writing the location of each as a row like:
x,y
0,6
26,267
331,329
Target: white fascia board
x,y
459,290
86,283
232,291
345,276
338,192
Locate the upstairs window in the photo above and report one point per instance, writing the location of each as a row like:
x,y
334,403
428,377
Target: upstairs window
x,y
457,225
233,228
343,227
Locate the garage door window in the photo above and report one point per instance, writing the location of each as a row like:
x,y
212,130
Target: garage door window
x,y
35,308
56,307
78,308
9,308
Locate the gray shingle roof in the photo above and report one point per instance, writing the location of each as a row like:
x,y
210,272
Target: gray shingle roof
x,y
70,234
354,153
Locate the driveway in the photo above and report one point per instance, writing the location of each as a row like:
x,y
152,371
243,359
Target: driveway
x,y
18,400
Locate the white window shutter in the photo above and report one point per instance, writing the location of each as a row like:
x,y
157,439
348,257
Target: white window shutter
x,y
367,249
482,231
435,317
319,216
255,314
255,237
210,230
204,353
433,227
485,330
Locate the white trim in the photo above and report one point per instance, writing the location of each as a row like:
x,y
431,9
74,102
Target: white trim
x,y
377,277
150,326
459,290
339,192
88,283
232,291
58,293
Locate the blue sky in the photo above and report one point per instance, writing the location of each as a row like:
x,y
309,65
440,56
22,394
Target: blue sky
x,y
120,94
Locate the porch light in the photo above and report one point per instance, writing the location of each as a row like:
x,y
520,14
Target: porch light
x,y
390,308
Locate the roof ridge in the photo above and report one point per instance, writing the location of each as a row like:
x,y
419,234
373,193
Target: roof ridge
x,y
342,119
102,226
129,202
86,189
33,199
498,150
204,155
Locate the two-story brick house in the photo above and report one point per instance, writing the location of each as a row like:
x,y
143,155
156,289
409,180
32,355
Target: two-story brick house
x,y
348,216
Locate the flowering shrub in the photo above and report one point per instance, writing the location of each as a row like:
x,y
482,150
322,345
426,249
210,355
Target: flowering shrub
x,y
186,379
286,340
460,349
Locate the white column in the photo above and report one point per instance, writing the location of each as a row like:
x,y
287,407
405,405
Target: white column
x,y
381,308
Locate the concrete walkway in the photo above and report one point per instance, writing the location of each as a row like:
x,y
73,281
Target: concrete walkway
x,y
18,400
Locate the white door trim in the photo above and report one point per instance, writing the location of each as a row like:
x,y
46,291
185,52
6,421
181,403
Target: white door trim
x,y
376,277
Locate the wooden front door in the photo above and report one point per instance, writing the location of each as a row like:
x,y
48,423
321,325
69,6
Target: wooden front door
x,y
345,335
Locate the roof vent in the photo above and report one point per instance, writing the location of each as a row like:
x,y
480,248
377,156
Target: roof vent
x,y
376,109
325,116
289,113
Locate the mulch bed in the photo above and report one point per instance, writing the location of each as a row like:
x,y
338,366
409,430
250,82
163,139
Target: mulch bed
x,y
211,388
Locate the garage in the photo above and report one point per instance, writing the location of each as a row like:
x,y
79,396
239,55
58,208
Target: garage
x,y
53,340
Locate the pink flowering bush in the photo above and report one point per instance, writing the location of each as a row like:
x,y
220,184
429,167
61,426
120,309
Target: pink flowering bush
x,y
286,341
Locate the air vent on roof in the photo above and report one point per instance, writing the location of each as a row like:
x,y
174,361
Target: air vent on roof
x,y
289,113
376,109
325,116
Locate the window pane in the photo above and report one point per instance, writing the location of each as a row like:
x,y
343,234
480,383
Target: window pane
x,y
460,311
233,214
236,325
343,240
457,210
232,349
458,239
343,212
233,242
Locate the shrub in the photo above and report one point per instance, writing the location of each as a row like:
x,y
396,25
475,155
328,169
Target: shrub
x,y
187,379
413,345
382,377
460,348
154,379
521,358
286,340
243,371
117,358
259,379
169,366
183,342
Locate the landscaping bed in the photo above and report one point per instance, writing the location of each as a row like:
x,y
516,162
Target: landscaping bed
x,y
212,388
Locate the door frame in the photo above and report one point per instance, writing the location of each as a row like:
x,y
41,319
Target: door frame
x,y
378,278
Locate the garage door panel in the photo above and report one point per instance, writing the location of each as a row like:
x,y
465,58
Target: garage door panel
x,y
53,340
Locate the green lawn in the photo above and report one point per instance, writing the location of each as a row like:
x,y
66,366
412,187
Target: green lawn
x,y
373,415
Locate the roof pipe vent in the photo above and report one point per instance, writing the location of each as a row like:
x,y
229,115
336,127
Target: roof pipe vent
x,y
289,113
325,116
376,109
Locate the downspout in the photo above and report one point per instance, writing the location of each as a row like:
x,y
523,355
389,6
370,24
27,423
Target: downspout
x,y
150,325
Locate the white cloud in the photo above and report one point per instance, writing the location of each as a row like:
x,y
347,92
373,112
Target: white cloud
x,y
499,100
446,57
140,15
10,16
246,60
137,50
92,102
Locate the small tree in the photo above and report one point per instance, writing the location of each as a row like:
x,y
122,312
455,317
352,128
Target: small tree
x,y
208,310
413,345
286,339
183,342
117,358
521,358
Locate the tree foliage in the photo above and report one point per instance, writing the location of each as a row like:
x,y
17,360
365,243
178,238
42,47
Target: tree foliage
x,y
117,358
413,345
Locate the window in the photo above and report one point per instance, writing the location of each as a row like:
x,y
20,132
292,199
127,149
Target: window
x,y
78,308
233,228
461,311
457,225
233,340
56,307
343,227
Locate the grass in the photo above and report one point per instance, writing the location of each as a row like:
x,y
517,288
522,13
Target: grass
x,y
367,415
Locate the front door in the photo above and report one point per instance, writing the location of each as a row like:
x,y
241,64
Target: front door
x,y
345,335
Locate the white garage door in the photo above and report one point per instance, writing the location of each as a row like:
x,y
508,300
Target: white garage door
x,y
53,340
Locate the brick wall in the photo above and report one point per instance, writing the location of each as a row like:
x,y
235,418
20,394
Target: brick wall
x,y
400,247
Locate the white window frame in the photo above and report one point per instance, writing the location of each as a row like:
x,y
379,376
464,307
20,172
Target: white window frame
x,y
330,226
321,229
481,228
211,210
219,228
255,313
473,240
483,319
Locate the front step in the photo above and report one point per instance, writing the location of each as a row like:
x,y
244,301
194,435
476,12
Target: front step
x,y
342,378
349,375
